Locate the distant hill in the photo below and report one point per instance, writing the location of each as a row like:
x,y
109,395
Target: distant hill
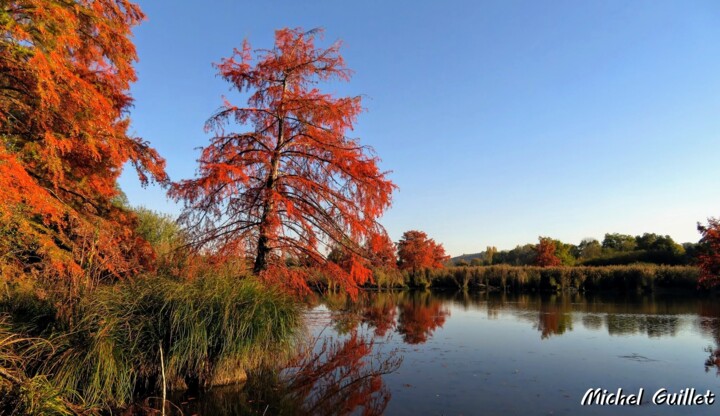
x,y
468,257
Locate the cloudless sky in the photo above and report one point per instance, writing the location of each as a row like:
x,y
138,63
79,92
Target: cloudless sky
x,y
501,121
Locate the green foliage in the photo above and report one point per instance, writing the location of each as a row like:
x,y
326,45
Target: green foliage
x,y
109,351
619,242
168,240
387,277
158,229
37,396
565,252
610,258
519,256
616,249
589,248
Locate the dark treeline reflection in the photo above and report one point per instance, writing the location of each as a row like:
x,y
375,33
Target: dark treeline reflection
x,y
415,316
654,316
335,376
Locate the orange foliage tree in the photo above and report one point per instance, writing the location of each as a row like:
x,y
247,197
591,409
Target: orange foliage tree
x,y
383,252
417,251
65,71
545,253
295,183
709,256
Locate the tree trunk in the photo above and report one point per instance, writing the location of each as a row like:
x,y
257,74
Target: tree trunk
x,y
263,247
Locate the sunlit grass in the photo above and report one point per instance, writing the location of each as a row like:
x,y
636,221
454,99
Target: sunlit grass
x,y
632,278
211,331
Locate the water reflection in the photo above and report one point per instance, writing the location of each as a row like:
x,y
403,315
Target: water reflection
x,y
413,315
339,378
420,315
555,314
379,313
711,326
334,377
553,320
479,350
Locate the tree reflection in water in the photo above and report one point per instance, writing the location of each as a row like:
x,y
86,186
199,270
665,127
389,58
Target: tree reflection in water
x,y
340,377
380,314
377,310
420,316
334,377
413,315
553,319
708,312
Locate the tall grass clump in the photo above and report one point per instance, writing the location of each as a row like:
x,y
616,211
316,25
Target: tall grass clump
x,y
210,330
21,394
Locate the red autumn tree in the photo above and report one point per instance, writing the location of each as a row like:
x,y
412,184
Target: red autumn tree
x,y
417,251
383,252
545,253
294,183
65,71
709,253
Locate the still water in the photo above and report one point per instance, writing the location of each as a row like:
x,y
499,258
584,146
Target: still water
x,y
429,353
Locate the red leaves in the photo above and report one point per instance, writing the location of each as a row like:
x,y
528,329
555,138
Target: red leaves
x,y
417,251
545,253
709,253
295,183
383,251
65,71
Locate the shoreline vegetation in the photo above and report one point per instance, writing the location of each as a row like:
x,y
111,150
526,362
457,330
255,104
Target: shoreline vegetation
x,y
107,354
631,278
103,305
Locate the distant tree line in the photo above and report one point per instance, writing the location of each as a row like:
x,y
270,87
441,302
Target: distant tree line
x,y
614,249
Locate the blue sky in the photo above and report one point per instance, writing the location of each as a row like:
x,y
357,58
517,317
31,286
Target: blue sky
x,y
501,121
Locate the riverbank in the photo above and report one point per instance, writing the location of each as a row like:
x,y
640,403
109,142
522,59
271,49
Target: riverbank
x,y
137,339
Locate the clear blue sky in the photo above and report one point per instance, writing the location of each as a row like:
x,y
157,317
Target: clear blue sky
x,y
501,121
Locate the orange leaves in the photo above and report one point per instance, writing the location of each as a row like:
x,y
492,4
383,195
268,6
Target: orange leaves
x,y
416,251
545,253
382,251
65,71
295,183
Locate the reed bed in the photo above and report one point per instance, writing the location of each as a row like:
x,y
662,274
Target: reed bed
x,y
210,331
21,394
633,278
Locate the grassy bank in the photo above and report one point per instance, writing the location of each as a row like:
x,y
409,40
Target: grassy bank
x,y
107,353
633,278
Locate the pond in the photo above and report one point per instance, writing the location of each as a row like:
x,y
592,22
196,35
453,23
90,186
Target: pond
x,y
413,353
